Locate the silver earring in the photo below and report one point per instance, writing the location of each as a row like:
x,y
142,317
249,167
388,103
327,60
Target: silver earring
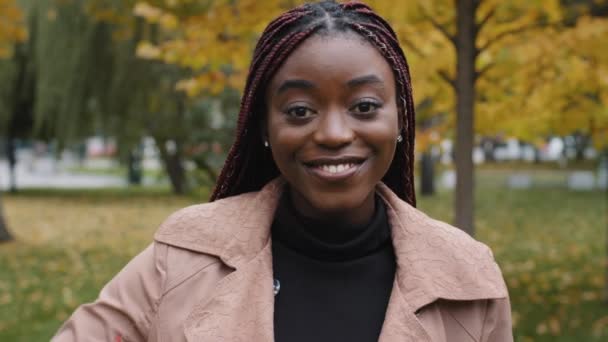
x,y
266,144
399,138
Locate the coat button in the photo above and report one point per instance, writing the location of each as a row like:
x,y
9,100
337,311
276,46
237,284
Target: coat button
x,y
276,287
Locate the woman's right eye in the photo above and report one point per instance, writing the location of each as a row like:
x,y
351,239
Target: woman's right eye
x,y
299,112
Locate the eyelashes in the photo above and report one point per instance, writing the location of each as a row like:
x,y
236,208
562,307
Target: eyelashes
x,y
299,112
362,108
366,107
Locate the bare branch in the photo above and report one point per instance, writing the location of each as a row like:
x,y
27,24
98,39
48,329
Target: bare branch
x,y
476,4
500,36
441,27
446,77
412,46
483,70
486,18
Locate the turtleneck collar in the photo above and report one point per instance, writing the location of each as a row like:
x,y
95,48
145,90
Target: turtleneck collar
x,y
329,240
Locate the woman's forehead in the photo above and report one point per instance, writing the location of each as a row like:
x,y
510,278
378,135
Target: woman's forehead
x,y
325,58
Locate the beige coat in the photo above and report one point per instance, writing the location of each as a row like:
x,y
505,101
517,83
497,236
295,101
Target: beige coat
x,y
208,277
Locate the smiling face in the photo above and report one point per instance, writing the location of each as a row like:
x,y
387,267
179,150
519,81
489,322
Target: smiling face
x,y
332,124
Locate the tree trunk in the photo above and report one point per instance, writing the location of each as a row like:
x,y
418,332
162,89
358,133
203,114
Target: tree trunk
x,y
12,163
5,235
489,148
427,175
202,164
536,155
581,142
465,102
172,159
134,166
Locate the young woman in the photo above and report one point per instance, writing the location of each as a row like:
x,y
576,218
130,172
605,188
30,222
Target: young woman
x,y
311,233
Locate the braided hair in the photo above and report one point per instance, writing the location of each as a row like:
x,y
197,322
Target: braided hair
x,y
249,166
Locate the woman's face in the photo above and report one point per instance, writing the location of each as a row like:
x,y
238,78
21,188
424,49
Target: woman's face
x,y
332,125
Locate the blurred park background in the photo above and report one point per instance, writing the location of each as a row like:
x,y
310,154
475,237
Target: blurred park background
x,y
115,113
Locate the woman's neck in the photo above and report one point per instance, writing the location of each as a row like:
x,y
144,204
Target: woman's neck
x,y
357,216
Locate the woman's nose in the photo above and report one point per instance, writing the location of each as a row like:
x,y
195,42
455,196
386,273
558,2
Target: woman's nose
x,y
333,130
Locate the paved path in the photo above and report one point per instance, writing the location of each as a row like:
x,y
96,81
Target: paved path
x,y
47,173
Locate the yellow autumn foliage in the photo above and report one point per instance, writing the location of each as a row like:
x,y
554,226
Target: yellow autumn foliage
x,y
216,43
537,75
12,27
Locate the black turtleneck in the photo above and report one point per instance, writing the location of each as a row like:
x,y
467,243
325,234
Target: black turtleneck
x,y
335,279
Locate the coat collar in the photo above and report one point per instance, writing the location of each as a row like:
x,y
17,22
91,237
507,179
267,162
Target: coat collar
x,y
434,261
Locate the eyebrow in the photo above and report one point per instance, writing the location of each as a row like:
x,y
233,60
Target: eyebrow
x,y
295,84
364,80
304,84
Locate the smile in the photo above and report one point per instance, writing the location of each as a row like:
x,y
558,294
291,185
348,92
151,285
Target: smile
x,y
334,170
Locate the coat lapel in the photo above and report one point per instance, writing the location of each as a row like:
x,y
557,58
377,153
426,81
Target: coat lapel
x,y
236,230
400,322
241,307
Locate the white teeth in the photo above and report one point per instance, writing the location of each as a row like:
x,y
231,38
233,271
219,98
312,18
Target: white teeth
x,y
336,168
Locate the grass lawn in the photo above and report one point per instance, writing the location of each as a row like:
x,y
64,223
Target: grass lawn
x,y
550,243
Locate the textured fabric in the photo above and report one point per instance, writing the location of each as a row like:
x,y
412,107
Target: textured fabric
x,y
335,279
214,261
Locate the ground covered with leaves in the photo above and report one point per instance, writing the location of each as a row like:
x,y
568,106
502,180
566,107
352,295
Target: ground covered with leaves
x,y
549,241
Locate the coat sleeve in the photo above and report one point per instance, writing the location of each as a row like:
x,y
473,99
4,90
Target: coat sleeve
x,y
497,325
126,305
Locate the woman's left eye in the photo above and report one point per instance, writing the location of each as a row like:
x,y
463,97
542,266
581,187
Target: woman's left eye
x,y
365,107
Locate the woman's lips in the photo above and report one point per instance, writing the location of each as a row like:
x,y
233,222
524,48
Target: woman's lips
x,y
334,172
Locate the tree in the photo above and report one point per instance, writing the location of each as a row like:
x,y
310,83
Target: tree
x,y
85,71
207,62
459,51
11,31
430,127
91,80
466,74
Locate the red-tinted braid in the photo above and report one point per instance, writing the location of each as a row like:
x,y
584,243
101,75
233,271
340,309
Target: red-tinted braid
x,y
274,28
282,24
354,5
269,33
366,10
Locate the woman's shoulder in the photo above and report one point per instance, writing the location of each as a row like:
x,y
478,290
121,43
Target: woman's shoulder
x,y
456,240
440,260
191,216
442,241
435,233
439,240
203,221
233,229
